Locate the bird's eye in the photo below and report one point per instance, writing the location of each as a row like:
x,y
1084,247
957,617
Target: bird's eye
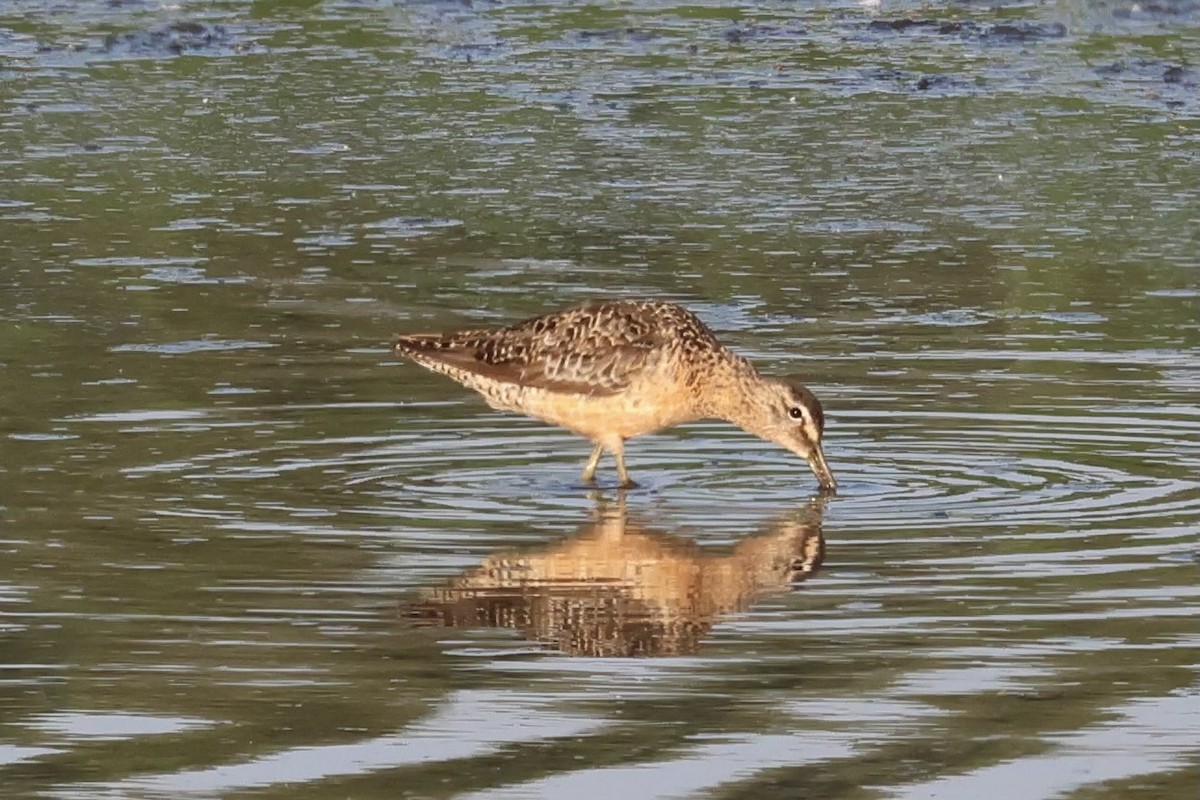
x,y
795,413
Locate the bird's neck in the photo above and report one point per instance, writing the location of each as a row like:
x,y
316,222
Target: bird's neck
x,y
728,393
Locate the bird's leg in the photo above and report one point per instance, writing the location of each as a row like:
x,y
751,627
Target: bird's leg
x,y
618,450
589,469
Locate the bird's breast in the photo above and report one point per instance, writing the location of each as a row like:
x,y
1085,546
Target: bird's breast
x,y
632,412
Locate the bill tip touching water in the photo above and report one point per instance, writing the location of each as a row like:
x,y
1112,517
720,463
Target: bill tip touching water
x,y
614,369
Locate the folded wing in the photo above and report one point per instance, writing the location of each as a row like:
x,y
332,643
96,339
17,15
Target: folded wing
x,y
588,350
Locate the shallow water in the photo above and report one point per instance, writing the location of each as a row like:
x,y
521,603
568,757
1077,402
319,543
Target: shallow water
x,y
246,552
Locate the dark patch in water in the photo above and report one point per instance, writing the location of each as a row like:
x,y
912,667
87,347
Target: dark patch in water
x,y
1002,32
173,39
1025,31
899,24
917,81
741,33
616,34
1178,74
1150,69
926,83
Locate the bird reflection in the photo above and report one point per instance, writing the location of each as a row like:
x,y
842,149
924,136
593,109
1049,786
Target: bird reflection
x,y
619,588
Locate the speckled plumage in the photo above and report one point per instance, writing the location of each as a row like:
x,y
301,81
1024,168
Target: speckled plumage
x,y
611,370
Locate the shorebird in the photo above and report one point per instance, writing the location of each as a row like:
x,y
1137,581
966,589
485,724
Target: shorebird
x,y
610,370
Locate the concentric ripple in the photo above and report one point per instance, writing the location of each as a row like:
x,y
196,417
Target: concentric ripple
x,y
474,466
1017,469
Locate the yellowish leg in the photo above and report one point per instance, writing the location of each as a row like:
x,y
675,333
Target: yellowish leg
x,y
619,451
589,469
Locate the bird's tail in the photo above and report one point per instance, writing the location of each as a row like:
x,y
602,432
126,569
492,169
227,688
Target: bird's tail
x,y
446,344
412,343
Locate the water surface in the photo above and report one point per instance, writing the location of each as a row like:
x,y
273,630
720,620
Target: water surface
x,y
246,552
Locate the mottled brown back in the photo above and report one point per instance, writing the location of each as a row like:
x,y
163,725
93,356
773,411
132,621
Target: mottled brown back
x,y
596,349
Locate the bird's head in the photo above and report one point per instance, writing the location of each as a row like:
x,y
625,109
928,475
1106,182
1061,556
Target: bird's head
x,y
791,416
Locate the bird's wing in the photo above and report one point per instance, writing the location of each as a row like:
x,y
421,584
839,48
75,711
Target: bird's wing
x,y
581,351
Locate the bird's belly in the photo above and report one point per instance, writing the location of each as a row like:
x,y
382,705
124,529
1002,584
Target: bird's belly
x,y
625,414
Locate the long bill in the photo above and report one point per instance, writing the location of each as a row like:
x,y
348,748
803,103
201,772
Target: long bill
x,y
816,461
